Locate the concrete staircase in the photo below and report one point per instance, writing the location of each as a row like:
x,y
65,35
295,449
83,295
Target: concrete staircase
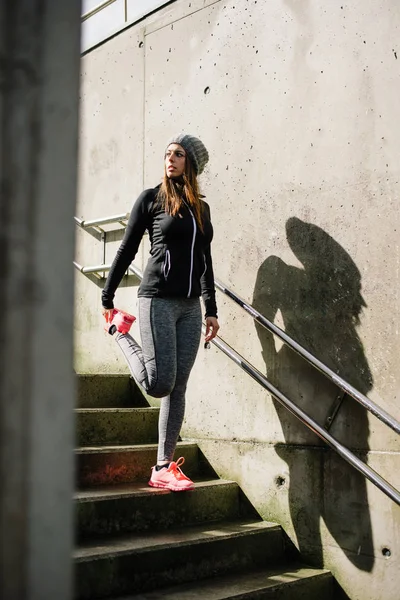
x,y
134,541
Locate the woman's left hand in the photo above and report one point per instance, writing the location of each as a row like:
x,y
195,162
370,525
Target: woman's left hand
x,y
211,328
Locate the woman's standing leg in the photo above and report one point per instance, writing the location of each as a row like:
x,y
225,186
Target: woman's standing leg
x,y
170,330
188,333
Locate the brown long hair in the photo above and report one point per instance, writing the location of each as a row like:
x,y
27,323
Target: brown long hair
x,y
172,193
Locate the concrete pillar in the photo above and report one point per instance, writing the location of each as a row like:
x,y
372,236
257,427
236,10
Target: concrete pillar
x,y
39,79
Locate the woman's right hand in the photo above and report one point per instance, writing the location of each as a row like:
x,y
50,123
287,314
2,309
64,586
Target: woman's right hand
x,y
107,314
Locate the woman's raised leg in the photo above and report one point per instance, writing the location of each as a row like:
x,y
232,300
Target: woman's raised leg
x,y
152,365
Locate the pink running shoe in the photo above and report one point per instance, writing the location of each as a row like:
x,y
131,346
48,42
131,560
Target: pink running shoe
x,y
171,478
120,321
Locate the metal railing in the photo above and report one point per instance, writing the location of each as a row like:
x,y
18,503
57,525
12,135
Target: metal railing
x,y
94,269
103,221
344,452
376,410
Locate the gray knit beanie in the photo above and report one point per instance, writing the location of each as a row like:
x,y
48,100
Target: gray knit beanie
x,y
194,147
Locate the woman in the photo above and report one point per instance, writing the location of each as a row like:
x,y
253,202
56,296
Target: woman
x,y
179,270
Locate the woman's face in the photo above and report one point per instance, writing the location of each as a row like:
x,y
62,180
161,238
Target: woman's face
x,y
175,159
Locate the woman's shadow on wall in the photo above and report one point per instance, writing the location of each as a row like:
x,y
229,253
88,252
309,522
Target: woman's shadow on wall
x,y
320,305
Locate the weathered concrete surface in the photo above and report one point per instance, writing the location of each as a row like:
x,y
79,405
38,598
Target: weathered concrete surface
x,y
297,104
114,426
145,562
107,391
39,82
111,176
134,508
111,465
324,507
290,584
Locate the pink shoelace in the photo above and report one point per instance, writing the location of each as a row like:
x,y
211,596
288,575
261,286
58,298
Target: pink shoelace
x,y
174,467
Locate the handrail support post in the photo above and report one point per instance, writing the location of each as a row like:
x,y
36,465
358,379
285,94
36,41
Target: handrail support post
x,y
103,239
337,403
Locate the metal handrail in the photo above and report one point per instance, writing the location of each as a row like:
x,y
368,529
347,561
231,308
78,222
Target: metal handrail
x,y
376,410
101,268
93,269
344,452
371,406
102,221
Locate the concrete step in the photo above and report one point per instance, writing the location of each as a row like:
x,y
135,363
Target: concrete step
x,y
136,508
108,391
136,563
114,426
285,583
110,465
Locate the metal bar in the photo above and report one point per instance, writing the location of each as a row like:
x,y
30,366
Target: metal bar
x,y
103,239
103,221
344,452
97,9
94,269
105,267
136,271
376,410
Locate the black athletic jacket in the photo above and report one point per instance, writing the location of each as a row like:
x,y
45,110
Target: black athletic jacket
x,y
180,262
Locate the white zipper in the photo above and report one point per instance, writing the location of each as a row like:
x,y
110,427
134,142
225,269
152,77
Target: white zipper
x,y
205,266
167,264
192,253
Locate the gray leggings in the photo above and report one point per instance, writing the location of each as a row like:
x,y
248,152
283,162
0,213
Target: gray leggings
x,y
170,329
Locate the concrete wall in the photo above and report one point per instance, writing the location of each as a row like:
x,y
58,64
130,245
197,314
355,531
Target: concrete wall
x,y
297,103
39,85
